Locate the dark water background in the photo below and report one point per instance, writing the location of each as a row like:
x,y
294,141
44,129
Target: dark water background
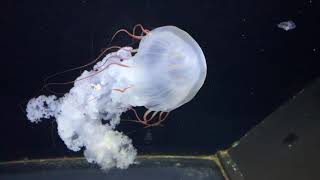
x,y
253,66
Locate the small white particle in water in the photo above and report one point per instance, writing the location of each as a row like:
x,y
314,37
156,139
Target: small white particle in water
x,y
287,25
243,36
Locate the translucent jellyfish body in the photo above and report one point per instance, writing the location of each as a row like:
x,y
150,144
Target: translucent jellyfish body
x,y
168,70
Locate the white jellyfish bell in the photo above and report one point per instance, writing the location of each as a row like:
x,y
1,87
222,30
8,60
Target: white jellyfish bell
x,y
165,72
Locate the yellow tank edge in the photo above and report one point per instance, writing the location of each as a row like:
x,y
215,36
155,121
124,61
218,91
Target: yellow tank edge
x,y
214,158
146,156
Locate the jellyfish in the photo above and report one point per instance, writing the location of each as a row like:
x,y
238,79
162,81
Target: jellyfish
x,y
166,71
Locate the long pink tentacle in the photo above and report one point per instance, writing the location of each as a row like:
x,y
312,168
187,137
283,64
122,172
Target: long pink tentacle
x,y
133,34
147,121
97,72
145,117
85,65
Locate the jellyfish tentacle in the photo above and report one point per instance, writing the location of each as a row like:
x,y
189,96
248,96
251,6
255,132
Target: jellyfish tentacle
x,y
160,120
139,120
134,31
128,33
152,116
145,115
85,65
121,90
143,31
72,69
112,56
133,34
146,31
97,72
147,122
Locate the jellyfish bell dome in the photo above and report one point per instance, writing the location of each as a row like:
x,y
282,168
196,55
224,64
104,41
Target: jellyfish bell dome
x,y
168,70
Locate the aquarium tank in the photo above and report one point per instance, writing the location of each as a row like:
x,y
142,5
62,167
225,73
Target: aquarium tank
x,y
201,90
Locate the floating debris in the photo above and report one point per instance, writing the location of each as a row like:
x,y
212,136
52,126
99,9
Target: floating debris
x,y
287,25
